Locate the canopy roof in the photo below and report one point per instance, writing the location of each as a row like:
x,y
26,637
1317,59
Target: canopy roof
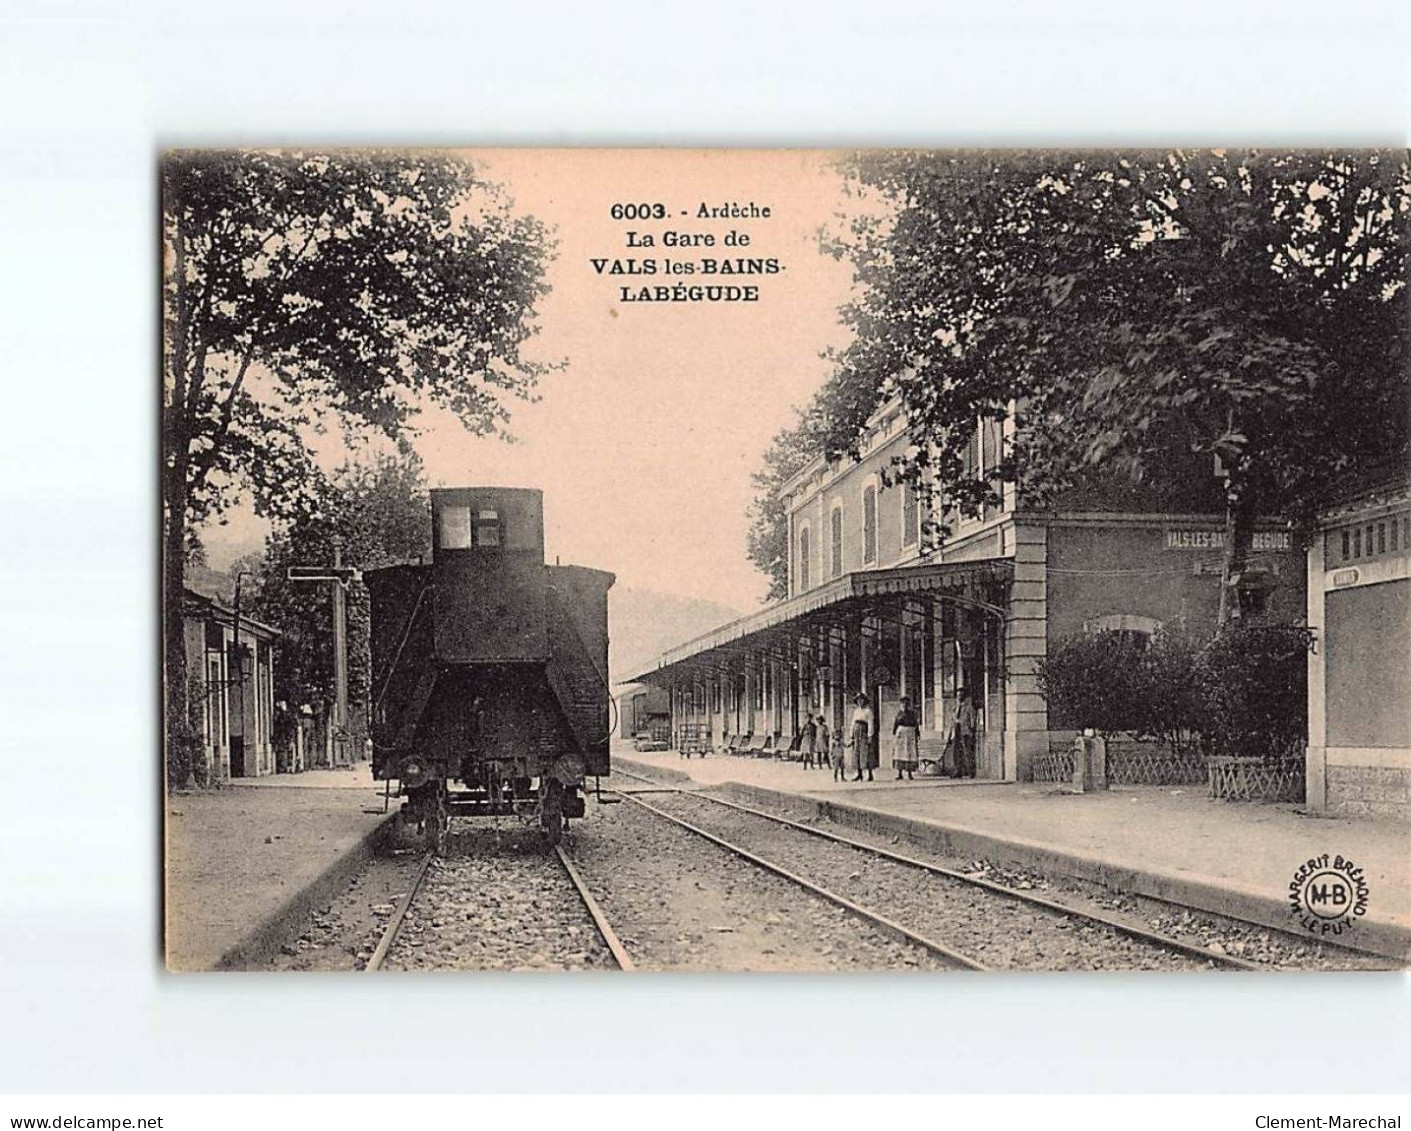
x,y
883,593
203,605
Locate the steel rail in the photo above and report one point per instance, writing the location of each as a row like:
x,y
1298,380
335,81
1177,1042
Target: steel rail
x,y
1128,929
950,955
600,919
394,925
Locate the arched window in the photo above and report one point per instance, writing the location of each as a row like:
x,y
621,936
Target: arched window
x,y
835,540
869,524
1136,629
804,560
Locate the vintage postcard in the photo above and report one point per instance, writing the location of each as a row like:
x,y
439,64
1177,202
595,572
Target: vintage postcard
x,y
746,560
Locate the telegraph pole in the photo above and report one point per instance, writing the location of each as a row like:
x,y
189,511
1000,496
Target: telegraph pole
x,y
340,575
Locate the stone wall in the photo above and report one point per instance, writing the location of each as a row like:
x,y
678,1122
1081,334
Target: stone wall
x,y
1369,791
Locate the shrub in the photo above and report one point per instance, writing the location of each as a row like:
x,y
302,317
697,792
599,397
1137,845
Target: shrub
x,y
1090,681
1244,692
1254,692
1167,695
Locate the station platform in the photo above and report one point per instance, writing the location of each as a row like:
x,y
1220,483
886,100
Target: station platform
x,y
247,862
1167,842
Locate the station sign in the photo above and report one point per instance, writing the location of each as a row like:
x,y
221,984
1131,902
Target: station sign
x,y
1264,541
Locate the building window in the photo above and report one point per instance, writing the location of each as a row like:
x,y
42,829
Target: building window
x,y
1357,543
1381,537
455,528
1346,545
971,460
215,702
1393,535
485,528
910,512
835,534
869,524
803,559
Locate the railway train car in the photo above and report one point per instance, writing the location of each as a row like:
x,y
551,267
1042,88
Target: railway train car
x,y
490,677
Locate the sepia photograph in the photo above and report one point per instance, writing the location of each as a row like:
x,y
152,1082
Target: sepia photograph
x,y
785,560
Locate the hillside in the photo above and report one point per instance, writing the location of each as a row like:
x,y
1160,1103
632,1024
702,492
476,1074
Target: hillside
x,y
644,623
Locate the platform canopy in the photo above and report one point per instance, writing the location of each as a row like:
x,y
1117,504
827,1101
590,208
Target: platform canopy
x,y
886,595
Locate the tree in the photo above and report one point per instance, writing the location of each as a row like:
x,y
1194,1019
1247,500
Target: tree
x,y
1130,308
379,513
305,290
767,542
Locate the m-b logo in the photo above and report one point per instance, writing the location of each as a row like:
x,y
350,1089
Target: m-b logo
x,y
1327,894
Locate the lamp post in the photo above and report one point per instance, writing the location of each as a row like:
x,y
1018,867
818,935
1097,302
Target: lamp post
x,y
239,679
239,667
340,665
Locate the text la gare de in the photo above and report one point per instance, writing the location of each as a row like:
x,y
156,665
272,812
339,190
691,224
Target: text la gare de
x,y
705,265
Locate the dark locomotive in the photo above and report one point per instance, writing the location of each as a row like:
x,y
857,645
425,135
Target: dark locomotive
x,y
490,677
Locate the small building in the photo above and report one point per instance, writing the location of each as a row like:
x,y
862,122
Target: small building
x,y
874,610
644,709
230,682
1359,673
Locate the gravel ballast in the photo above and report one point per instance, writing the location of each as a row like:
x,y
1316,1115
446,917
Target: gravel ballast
x,y
1001,933
1252,942
679,902
497,901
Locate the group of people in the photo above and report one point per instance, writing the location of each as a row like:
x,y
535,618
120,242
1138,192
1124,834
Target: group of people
x,y
857,752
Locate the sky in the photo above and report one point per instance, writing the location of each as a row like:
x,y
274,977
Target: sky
x,y
645,442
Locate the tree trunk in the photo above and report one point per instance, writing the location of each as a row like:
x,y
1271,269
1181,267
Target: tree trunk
x,y
181,736
1239,533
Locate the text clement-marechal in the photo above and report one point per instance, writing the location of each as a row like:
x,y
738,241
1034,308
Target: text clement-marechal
x,y
682,292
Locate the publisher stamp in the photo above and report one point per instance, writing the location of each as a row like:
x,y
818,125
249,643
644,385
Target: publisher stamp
x,y
1328,894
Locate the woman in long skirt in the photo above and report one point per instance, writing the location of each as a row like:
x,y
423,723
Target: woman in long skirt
x,y
906,741
861,741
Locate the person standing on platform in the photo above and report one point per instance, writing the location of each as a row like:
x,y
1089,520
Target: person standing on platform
x,y
833,744
809,742
862,730
965,738
906,741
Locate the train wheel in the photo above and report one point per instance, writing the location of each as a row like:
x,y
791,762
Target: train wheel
x,y
551,819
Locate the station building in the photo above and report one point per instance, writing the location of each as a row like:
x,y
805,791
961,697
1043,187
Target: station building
x,y
1359,674
872,610
230,683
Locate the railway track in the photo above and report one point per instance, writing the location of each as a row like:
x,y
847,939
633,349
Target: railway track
x,y
1043,912
948,955
394,924
948,918
595,912
403,913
